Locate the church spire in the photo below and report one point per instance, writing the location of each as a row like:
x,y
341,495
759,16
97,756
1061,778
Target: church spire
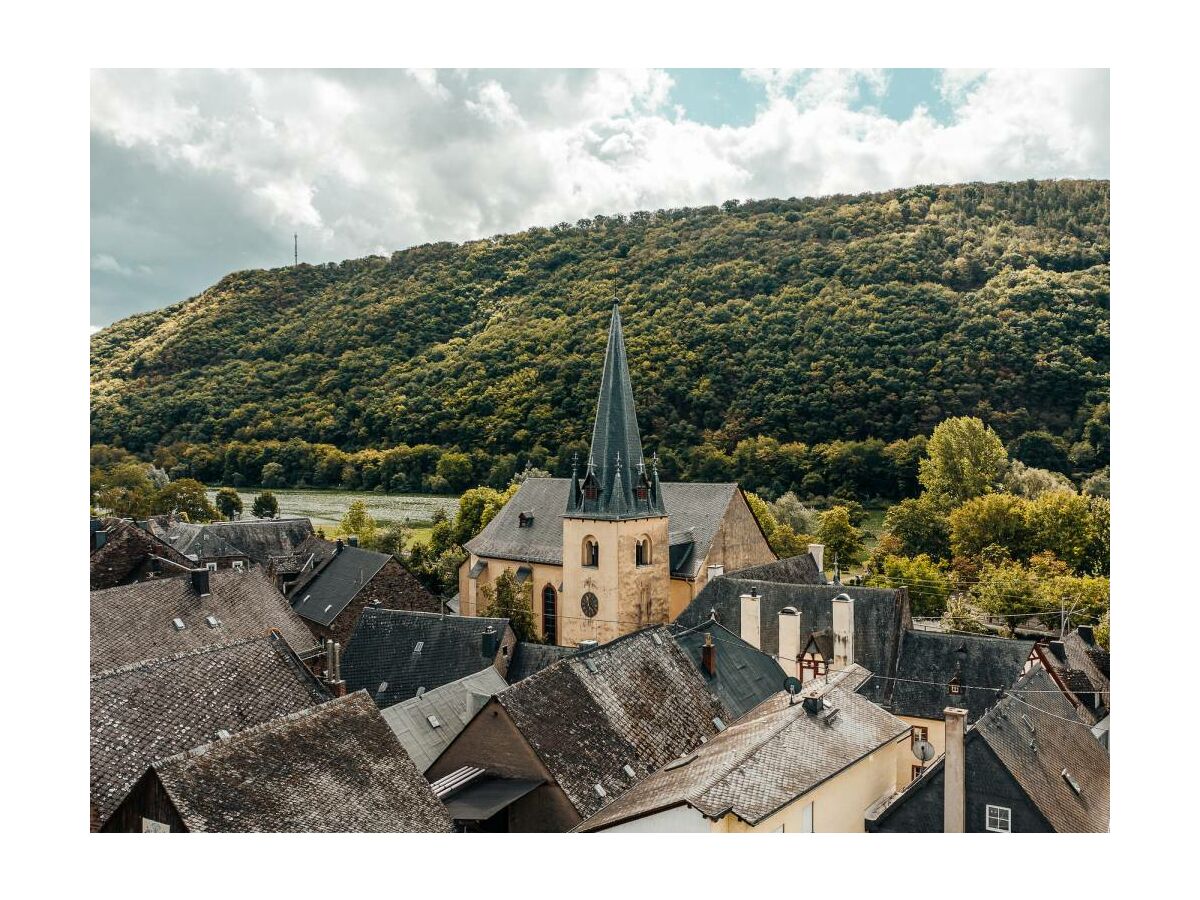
x,y
606,492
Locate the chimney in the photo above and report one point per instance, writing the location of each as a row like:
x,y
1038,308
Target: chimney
x,y
789,641
843,631
817,552
339,547
333,668
751,627
1085,632
200,581
488,642
708,656
954,811
99,538
353,540
1058,650
813,702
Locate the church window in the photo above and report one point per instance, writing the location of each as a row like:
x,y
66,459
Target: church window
x,y
591,551
641,552
590,604
550,614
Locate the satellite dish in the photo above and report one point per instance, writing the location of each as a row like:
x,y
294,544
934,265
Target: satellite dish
x,y
793,686
923,750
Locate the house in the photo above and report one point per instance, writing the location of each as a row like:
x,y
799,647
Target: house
x,y
336,767
740,675
160,707
427,724
123,552
332,594
809,764
237,544
398,654
612,548
1079,667
1027,765
937,670
167,616
556,747
529,659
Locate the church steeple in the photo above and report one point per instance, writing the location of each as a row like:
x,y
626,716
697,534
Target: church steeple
x,y
616,485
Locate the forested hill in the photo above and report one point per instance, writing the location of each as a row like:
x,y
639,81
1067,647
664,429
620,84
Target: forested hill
x,y
813,320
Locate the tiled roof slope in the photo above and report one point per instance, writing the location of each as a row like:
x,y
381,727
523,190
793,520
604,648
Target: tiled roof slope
x,y
334,768
879,617
259,539
160,707
329,591
1082,666
696,511
135,622
529,659
383,651
451,706
127,551
929,660
801,569
1058,742
765,760
745,677
643,706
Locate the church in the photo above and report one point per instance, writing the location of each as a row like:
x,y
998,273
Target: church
x,y
612,548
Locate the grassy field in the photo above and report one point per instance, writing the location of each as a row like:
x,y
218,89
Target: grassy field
x,y
326,508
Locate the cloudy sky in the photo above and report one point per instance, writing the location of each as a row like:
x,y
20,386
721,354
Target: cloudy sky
x,y
198,173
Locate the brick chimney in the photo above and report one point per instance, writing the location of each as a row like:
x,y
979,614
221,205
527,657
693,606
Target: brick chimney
x,y
751,623
817,552
843,631
708,656
339,546
954,811
353,540
789,641
200,582
333,668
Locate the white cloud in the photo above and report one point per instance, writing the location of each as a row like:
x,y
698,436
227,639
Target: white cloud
x,y
363,160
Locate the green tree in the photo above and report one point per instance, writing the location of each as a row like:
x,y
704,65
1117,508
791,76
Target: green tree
x,y
965,460
841,539
359,521
782,538
272,475
789,510
1026,481
921,527
393,539
927,581
229,503
265,506
505,599
990,520
124,490
1062,523
187,498
455,470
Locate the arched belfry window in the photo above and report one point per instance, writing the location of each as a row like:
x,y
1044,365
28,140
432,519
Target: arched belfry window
x,y
591,551
641,551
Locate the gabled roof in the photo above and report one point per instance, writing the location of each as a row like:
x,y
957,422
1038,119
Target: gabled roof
x,y
1037,756
696,510
258,539
772,756
637,701
427,724
322,598
1081,666
135,622
801,569
745,677
382,657
156,708
127,549
333,768
879,617
929,660
529,659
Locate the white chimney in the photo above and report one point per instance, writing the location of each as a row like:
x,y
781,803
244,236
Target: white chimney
x,y
955,793
817,552
789,641
751,628
843,631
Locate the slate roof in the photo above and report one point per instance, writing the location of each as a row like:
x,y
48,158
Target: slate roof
x,y
156,708
258,539
930,659
762,762
745,676
1059,745
334,768
643,706
126,550
322,597
134,622
529,659
880,615
382,651
452,707
801,569
696,511
1082,666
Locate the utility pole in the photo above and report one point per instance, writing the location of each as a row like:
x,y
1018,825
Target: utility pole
x,y
295,249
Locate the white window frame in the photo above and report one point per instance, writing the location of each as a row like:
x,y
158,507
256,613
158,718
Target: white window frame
x,y
239,565
998,814
212,566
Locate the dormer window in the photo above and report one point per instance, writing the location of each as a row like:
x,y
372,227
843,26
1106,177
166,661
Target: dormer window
x,y
525,520
212,566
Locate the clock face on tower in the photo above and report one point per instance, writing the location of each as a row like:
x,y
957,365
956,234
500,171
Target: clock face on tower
x,y
590,604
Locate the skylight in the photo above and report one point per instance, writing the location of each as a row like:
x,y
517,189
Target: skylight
x,y
178,623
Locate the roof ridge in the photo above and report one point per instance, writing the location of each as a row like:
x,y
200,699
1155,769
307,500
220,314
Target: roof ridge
x,y
175,657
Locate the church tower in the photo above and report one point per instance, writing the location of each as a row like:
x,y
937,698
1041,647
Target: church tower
x,y
616,573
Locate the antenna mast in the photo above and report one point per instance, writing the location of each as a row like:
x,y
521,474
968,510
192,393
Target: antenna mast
x,y
295,249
